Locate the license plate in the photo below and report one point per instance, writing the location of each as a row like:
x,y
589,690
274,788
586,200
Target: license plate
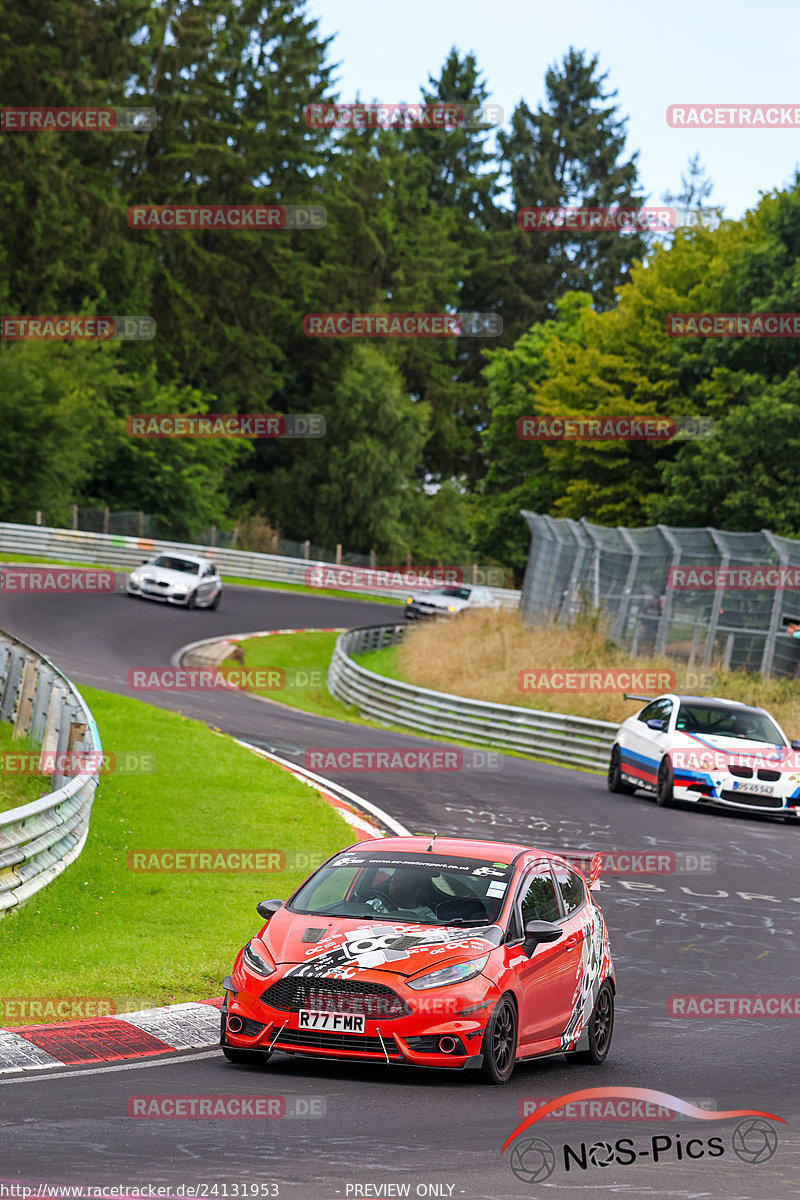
x,y
309,1018
756,789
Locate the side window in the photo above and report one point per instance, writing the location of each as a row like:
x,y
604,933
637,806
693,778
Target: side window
x,y
513,933
539,901
571,888
659,709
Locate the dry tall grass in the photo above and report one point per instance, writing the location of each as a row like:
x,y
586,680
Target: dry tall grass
x,y
481,653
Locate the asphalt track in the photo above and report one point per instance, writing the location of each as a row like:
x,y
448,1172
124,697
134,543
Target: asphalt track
x,y
729,932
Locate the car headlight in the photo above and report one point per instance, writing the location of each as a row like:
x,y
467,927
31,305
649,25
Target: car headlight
x,y
180,589
451,608
409,599
445,975
255,962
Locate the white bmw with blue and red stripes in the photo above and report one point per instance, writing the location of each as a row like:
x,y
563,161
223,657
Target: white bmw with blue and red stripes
x,y
706,750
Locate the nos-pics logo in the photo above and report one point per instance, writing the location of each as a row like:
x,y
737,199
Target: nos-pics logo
x,y
754,1139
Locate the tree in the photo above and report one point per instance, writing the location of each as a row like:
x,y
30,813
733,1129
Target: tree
x,y
745,476
354,485
569,152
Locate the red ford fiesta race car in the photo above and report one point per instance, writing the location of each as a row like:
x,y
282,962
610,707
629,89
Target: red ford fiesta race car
x,y
429,952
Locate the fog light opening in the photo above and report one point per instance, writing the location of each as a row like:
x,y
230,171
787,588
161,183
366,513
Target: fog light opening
x,y
235,1024
447,1045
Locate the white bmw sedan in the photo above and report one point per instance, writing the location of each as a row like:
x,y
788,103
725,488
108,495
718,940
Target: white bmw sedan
x,y
177,579
707,750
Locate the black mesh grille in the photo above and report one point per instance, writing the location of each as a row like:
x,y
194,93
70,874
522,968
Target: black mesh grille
x,y
753,800
371,1000
251,1028
768,775
345,1043
742,772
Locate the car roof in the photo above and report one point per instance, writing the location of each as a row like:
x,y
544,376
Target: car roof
x,y
454,847
195,558
721,702
709,701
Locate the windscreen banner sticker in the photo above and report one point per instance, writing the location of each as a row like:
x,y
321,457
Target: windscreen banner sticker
x,y
460,866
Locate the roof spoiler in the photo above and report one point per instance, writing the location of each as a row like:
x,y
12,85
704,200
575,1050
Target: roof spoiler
x,y
633,696
587,861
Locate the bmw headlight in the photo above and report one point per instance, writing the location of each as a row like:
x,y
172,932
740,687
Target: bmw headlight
x,y
448,975
451,608
254,961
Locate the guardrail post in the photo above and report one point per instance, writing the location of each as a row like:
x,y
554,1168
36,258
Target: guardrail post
x,y
26,694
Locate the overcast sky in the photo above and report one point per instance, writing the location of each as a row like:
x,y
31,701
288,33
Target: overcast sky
x,y
655,54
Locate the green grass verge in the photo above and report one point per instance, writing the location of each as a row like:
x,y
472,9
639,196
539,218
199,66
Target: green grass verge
x,y
313,651
232,579
18,789
290,652
103,930
382,662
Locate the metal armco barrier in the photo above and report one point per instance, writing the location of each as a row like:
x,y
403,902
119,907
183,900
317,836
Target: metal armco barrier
x,y
556,737
38,840
114,550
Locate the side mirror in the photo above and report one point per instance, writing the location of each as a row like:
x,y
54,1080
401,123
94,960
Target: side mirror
x,y
144,560
268,908
795,744
540,931
657,723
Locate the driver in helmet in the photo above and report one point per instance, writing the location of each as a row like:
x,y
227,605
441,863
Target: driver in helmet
x,y
408,892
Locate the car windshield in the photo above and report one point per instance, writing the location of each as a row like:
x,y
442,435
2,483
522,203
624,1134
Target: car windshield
x,y
176,564
460,593
428,890
713,720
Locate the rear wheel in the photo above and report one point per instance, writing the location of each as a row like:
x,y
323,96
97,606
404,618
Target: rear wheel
x,y
499,1046
664,783
245,1058
600,1029
615,781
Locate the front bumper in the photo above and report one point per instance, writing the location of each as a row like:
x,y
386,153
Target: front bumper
x,y
410,1041
724,790
163,595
